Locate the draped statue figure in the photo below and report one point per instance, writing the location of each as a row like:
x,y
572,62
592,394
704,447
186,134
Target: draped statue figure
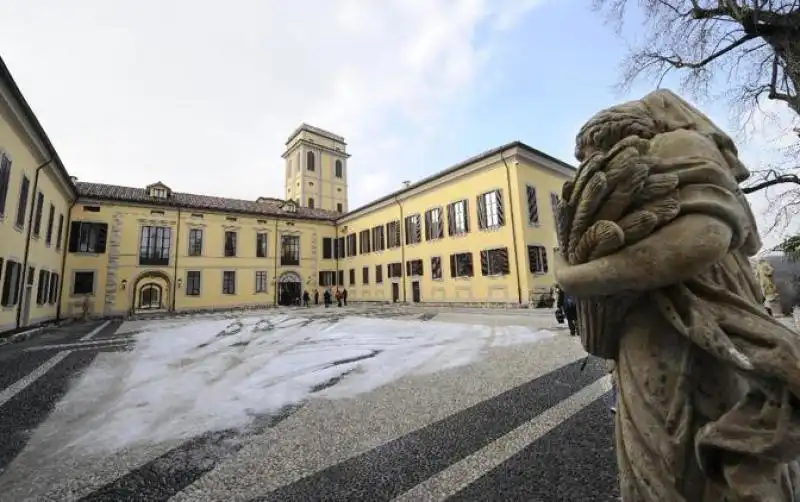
x,y
655,238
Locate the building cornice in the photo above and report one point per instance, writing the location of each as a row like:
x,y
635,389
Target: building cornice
x,y
316,146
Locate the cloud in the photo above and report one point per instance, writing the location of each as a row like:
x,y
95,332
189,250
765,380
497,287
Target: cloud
x,y
203,95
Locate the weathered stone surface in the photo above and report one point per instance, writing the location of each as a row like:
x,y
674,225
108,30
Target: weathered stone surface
x,y
656,237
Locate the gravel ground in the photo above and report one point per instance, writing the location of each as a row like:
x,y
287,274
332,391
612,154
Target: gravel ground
x,y
523,423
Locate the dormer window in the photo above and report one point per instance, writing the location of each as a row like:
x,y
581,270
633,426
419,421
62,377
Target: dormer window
x,y
290,206
158,191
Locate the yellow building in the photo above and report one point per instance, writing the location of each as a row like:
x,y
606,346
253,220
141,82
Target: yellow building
x,y
479,233
35,199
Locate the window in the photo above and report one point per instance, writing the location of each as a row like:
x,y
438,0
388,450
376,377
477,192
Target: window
x,y
60,231
394,270
42,289
230,244
436,267
537,259
414,267
339,207
327,278
364,241
261,281
310,161
340,247
533,205
261,245
365,275
195,242
53,293
351,245
341,278
22,204
11,283
37,219
193,283
434,227
91,209
5,181
413,229
48,237
554,207
393,234
83,283
490,210
494,262
458,218
378,274
311,202
87,237
378,242
290,250
461,265
327,248
229,282
154,245
352,277
337,169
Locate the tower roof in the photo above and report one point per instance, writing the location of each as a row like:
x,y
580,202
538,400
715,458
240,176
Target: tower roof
x,y
317,131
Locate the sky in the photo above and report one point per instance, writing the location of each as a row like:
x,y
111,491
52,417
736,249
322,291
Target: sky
x,y
202,95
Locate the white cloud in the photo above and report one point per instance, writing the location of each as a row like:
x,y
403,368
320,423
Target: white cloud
x,y
202,95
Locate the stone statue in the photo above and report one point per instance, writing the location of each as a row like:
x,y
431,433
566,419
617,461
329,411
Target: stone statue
x,y
766,280
655,238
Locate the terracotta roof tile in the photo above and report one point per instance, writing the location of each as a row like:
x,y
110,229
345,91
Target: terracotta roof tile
x,y
267,207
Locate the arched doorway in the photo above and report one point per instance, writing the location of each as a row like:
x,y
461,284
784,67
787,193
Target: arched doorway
x,y
149,292
151,296
290,287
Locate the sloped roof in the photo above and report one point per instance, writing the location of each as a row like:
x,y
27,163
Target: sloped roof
x,y
271,207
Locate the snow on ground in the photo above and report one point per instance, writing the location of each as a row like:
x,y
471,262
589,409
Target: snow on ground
x,y
186,378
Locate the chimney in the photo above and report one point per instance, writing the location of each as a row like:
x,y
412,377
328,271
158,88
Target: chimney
x,y
406,184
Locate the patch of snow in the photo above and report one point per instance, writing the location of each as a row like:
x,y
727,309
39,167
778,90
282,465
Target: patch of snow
x,y
186,378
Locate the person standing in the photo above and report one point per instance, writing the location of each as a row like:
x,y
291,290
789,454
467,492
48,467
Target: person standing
x,y
326,297
316,296
344,297
306,298
566,303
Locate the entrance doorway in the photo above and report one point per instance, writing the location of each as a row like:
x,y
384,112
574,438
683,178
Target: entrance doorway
x,y
395,292
415,291
290,287
150,296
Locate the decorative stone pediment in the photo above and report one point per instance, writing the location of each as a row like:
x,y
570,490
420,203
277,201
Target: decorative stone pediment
x,y
289,206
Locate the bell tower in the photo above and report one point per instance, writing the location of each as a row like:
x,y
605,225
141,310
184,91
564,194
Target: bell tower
x,y
316,169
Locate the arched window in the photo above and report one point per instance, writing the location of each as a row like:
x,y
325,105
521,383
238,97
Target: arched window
x,y
310,161
338,169
311,202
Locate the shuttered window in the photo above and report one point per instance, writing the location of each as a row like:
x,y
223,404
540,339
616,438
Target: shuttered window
x,y
533,205
537,259
495,262
458,218
461,265
490,210
436,267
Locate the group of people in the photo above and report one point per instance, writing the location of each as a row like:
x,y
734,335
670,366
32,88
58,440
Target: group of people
x,y
567,309
328,297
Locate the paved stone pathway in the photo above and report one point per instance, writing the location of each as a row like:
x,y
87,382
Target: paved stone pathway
x,y
522,424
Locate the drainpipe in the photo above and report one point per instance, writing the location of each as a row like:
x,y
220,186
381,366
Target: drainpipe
x,y
23,276
275,294
65,249
175,267
336,250
402,248
513,229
